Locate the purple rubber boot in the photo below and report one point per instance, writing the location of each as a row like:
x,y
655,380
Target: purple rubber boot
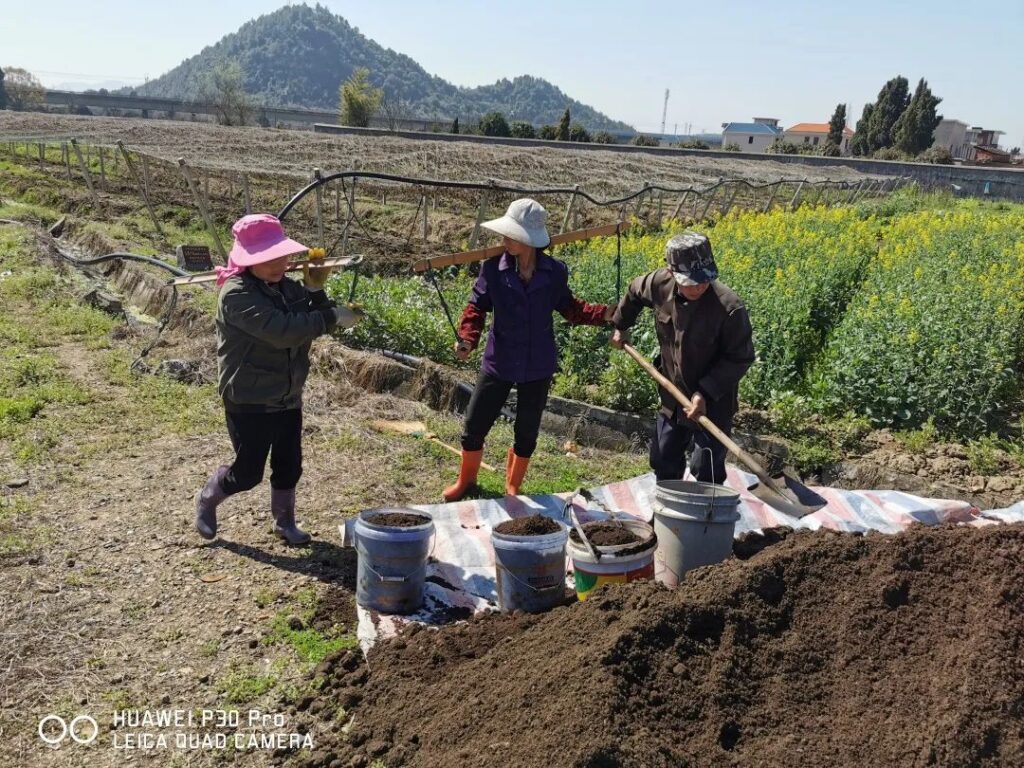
x,y
207,501
282,505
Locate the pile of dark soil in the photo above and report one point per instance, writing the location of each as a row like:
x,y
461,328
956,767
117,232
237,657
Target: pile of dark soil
x,y
534,525
822,649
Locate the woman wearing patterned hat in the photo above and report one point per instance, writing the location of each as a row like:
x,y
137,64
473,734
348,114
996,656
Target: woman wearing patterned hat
x,y
521,287
265,325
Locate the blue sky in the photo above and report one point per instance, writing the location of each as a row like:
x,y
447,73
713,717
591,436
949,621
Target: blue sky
x,y
721,61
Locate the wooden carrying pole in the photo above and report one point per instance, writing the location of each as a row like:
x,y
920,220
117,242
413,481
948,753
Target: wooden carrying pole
x,y
334,261
466,257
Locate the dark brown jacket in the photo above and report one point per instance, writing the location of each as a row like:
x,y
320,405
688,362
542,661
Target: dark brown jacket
x,y
706,345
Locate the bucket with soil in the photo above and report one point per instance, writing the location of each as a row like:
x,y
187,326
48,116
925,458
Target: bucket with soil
x,y
695,524
624,549
529,563
393,546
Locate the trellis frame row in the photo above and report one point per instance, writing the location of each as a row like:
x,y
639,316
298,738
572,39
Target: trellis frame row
x,y
236,188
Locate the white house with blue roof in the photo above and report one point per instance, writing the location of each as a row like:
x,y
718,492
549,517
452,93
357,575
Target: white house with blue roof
x,y
756,136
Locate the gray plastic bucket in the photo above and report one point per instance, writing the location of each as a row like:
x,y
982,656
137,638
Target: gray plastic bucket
x,y
392,563
695,524
530,570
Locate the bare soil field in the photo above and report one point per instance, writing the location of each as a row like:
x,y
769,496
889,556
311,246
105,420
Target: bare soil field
x,y
296,153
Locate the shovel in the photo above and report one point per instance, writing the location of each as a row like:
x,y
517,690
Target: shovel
x,y
594,552
419,430
786,493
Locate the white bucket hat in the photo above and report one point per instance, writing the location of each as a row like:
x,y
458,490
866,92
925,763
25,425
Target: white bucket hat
x,y
525,221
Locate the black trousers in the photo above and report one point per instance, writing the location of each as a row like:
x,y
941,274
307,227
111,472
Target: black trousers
x,y
485,406
254,436
677,437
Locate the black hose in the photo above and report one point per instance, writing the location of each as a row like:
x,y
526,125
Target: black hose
x,y
494,187
127,257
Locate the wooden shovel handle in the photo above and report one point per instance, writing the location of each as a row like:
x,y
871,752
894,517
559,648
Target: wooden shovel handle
x,y
704,421
452,449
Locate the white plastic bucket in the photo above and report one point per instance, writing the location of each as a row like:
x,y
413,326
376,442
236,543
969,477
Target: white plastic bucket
x,y
695,523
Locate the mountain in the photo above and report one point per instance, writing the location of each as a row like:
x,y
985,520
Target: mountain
x,y
299,56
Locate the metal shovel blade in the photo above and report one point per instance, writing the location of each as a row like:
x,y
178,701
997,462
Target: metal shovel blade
x,y
795,499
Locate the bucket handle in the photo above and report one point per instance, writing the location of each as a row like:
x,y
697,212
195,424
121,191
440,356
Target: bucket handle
x,y
413,572
525,584
714,486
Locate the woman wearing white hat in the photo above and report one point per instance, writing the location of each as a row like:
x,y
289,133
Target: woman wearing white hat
x,y
522,287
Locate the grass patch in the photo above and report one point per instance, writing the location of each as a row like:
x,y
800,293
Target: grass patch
x,y
309,644
241,687
161,404
551,470
918,440
985,455
18,535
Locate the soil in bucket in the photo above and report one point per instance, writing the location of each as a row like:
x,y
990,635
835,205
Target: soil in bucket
x,y
397,519
534,525
602,534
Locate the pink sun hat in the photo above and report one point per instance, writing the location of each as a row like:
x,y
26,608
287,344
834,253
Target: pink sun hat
x,y
259,237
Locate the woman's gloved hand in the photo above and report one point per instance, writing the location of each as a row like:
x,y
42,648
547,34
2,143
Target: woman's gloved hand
x,y
315,278
341,316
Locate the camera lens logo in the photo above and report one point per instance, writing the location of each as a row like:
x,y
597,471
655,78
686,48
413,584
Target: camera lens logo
x,y
54,730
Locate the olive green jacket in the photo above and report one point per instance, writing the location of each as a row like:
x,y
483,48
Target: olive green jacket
x,y
263,337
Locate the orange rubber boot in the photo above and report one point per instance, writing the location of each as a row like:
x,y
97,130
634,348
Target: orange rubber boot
x,y
468,470
515,472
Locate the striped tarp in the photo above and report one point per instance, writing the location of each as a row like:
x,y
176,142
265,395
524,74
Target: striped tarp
x,y
460,575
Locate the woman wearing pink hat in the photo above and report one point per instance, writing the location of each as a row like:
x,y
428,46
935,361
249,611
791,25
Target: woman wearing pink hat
x,y
265,325
522,287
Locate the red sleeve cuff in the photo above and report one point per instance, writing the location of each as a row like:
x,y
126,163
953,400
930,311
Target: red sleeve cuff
x,y
580,313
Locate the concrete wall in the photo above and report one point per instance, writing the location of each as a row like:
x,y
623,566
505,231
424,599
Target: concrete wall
x,y
952,134
1007,183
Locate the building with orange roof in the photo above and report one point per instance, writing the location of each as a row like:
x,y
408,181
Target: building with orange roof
x,y
815,134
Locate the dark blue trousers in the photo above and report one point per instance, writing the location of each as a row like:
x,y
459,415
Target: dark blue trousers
x,y
678,439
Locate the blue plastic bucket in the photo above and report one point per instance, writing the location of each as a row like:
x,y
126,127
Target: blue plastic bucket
x,y
392,562
530,570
